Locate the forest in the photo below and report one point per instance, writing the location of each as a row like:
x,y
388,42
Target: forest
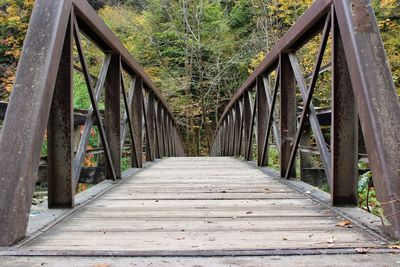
x,y
198,52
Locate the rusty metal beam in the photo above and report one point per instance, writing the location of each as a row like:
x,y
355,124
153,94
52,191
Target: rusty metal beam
x,y
308,98
112,115
60,153
270,121
93,100
27,115
262,115
377,102
288,113
344,137
137,120
81,152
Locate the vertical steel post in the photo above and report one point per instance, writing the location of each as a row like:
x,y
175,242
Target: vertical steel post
x,y
165,132
137,120
262,119
60,131
150,127
160,128
344,140
27,116
112,116
231,118
288,113
237,129
247,115
377,102
224,137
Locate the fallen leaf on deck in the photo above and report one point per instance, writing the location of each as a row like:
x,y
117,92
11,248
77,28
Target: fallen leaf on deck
x,y
394,246
249,212
345,224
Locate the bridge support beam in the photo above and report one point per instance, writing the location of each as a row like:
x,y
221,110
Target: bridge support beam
x,y
137,121
231,120
60,185
160,131
27,116
247,113
377,102
112,115
262,115
238,136
344,140
288,114
151,151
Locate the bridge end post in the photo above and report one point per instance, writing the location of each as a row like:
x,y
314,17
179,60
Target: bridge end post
x,y
377,103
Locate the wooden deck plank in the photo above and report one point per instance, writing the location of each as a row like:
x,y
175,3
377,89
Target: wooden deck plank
x,y
201,204
365,260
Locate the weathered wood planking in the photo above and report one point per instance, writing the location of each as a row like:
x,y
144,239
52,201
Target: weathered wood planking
x,y
365,260
201,204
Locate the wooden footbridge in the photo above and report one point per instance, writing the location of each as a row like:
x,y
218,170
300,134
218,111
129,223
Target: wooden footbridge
x,y
222,210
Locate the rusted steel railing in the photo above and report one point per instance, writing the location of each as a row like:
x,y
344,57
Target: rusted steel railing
x,y
42,97
362,88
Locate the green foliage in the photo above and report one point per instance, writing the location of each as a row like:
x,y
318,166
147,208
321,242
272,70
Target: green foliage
x,y
241,17
14,19
81,96
373,204
387,12
273,158
125,163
